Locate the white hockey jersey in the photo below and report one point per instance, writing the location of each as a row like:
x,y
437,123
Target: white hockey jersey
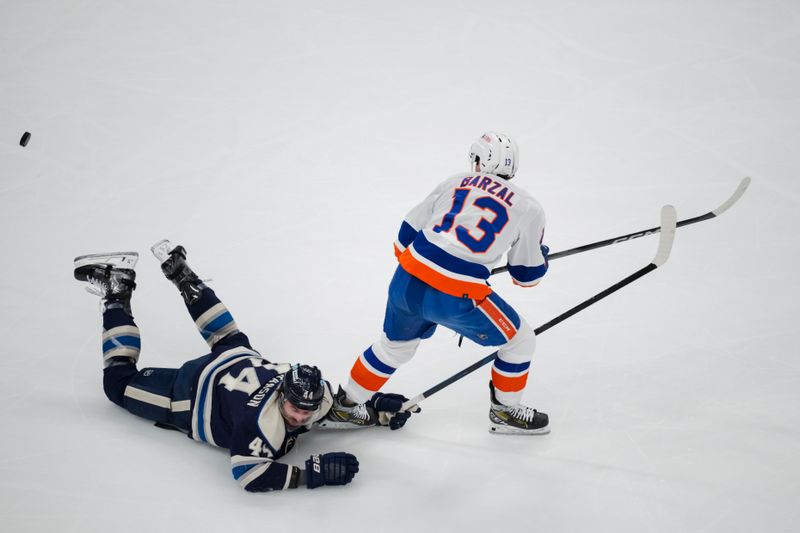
x,y
462,229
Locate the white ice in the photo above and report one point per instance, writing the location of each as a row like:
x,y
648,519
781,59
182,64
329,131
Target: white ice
x,y
282,143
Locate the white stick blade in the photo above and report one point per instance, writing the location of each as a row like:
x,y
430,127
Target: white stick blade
x,y
669,219
734,198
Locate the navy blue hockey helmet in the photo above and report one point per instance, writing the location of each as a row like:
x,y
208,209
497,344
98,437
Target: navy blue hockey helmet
x,y
303,387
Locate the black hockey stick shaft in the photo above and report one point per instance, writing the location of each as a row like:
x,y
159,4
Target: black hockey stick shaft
x,y
668,226
541,329
642,233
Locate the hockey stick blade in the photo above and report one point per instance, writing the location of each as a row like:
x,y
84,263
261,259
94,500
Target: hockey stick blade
x,y
727,204
669,223
667,238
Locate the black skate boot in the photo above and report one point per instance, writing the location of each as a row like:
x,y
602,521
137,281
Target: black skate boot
x,y
515,419
175,268
110,276
345,414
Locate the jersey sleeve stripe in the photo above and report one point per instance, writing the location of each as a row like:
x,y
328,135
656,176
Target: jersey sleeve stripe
x,y
239,471
525,274
252,473
242,460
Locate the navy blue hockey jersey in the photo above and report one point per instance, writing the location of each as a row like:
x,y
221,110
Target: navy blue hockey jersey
x,y
236,407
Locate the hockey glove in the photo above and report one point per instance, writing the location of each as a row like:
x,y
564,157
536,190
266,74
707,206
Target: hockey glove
x,y
388,408
545,250
335,468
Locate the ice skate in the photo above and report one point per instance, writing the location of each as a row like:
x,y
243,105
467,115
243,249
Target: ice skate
x,y
515,419
346,415
174,266
109,276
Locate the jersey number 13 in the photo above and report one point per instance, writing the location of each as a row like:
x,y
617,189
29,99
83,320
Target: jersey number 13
x,y
490,229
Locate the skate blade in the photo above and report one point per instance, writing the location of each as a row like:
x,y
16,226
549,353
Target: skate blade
x,y
161,250
330,424
508,430
126,260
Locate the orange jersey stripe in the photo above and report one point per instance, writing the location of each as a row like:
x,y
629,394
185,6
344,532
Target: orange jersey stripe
x,y
498,318
507,384
439,281
365,378
397,251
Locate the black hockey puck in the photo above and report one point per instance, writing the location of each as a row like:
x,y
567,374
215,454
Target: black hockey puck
x,y
25,138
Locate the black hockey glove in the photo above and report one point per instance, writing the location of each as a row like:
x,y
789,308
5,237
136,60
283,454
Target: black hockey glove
x,y
335,468
388,408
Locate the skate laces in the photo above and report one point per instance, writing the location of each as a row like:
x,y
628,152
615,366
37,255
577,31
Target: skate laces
x,y
522,412
360,411
116,283
96,286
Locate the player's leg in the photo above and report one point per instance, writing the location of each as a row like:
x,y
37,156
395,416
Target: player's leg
x,y
403,329
146,393
213,320
493,322
121,346
112,277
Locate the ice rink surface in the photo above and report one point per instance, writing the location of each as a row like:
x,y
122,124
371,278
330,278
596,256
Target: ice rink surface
x,y
282,143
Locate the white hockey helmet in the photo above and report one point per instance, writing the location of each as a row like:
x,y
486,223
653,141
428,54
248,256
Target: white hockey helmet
x,y
495,153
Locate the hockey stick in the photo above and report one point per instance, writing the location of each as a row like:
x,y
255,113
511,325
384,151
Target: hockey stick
x,y
635,235
667,229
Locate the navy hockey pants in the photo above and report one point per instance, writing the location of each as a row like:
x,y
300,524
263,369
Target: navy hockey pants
x,y
164,395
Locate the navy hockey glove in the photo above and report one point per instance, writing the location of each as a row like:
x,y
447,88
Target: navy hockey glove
x,y
387,407
545,250
335,468
387,402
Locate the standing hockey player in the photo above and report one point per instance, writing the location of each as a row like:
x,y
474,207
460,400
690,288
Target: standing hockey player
x,y
232,398
446,247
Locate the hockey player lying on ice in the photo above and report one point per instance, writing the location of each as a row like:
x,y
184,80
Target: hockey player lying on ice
x,y
232,397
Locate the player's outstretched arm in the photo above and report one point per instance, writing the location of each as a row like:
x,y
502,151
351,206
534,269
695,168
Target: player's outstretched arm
x,y
260,474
